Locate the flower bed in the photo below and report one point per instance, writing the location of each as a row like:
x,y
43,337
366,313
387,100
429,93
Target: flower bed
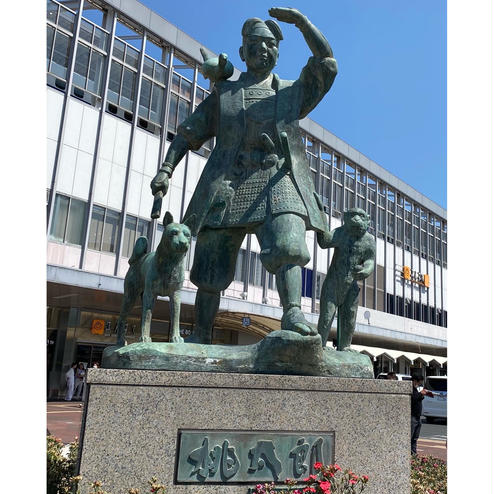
x,y
329,479
428,475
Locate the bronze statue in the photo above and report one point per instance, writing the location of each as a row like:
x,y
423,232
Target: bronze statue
x,y
257,179
353,259
156,273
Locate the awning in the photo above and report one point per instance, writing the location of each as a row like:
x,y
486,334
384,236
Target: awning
x,y
393,355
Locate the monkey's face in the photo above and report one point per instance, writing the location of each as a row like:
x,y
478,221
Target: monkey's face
x,y
356,222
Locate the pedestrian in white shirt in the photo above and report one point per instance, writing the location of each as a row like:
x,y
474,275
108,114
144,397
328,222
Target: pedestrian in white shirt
x,y
69,380
80,375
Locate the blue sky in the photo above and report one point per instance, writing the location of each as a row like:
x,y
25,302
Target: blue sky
x,y
389,98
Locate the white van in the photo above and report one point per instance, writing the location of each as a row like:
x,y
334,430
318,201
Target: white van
x,y
437,406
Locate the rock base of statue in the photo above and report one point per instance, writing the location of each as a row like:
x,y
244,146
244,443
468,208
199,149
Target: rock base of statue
x,y
210,433
280,352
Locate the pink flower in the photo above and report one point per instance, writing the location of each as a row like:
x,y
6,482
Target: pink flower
x,y
318,465
326,487
309,489
352,481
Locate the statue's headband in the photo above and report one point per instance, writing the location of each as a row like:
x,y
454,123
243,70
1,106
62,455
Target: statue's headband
x,y
263,29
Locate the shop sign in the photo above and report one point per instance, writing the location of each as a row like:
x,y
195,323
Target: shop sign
x,y
415,277
107,328
98,326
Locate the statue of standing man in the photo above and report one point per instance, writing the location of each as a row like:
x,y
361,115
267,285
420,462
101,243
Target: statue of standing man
x,y
257,178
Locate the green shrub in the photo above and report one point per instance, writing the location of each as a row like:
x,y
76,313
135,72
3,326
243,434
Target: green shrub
x,y
61,469
61,477
428,475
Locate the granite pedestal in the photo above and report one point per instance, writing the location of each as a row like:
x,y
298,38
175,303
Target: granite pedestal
x,y
132,420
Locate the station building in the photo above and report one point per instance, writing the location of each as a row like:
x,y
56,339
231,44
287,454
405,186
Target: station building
x,y
120,79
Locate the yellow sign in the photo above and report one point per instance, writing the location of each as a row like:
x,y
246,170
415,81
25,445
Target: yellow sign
x,y
415,277
407,273
98,326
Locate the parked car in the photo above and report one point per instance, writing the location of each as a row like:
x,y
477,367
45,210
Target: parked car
x,y
401,377
437,406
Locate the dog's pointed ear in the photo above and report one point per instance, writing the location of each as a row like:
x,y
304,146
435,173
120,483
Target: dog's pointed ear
x,y
190,220
168,218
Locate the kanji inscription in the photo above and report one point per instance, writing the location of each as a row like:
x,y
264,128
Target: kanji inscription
x,y
249,456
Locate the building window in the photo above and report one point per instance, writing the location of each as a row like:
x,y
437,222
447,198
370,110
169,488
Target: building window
x,y
151,101
180,101
320,277
337,197
326,160
255,269
134,228
206,148
58,39
307,282
371,189
58,62
391,227
104,229
349,200
93,35
350,176
121,87
68,220
380,220
122,84
88,69
239,266
325,190
382,194
338,169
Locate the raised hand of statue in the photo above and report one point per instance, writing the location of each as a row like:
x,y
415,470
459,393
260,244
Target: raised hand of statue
x,y
160,183
288,15
318,44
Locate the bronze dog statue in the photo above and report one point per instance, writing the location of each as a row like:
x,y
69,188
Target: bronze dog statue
x,y
152,274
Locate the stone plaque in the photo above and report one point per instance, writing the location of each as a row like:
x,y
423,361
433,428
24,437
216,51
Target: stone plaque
x,y
206,456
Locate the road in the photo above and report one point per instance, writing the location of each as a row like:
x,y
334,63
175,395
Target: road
x,y
64,421
433,439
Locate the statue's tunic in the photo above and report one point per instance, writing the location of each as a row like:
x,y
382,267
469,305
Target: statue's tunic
x,y
242,183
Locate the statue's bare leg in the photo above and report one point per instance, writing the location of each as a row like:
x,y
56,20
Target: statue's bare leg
x,y
327,310
215,258
284,252
147,315
348,317
175,317
289,284
129,298
206,307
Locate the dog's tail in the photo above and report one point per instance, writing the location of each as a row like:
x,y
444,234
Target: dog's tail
x,y
140,249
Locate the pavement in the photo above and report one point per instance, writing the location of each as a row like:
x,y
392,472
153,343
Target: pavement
x,y
64,421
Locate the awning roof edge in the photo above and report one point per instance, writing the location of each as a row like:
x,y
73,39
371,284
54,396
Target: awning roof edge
x,y
375,352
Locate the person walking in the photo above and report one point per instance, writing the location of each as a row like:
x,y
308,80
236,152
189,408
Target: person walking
x,y
418,393
79,381
69,380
